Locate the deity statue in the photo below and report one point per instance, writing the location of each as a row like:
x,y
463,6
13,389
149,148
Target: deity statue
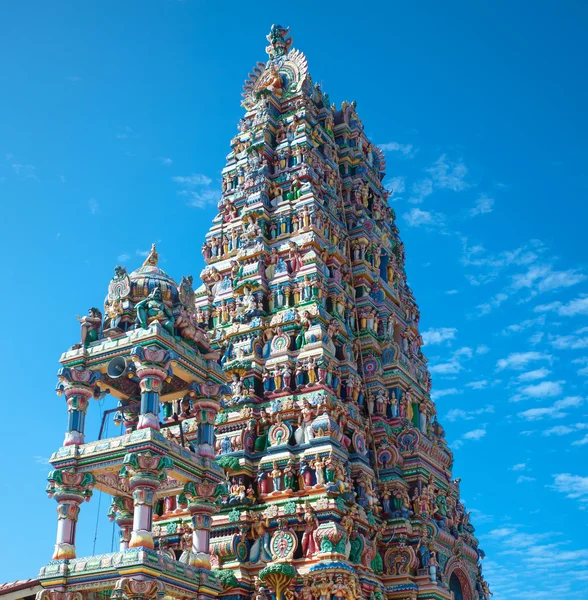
x,y
309,544
90,326
152,309
289,475
276,476
305,324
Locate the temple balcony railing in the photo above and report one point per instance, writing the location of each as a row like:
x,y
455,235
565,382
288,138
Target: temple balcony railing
x,y
104,459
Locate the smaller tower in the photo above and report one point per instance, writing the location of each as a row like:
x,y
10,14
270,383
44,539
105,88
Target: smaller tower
x,y
151,356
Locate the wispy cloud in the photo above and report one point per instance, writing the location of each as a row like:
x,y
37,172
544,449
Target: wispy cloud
x,y
93,206
457,414
573,486
436,394
519,360
196,189
438,335
416,217
483,205
575,341
524,325
164,160
449,175
396,185
534,375
405,150
555,411
124,133
525,479
578,306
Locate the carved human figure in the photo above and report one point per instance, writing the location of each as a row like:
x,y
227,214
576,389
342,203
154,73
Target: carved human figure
x,y
153,308
90,326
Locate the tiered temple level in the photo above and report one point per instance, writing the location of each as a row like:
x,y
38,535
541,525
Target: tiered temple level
x,y
332,476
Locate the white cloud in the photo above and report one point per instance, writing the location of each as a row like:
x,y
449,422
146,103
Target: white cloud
x,y
534,375
196,189
416,217
525,479
449,175
478,385
420,190
576,341
406,150
452,292
542,278
578,306
583,371
438,335
396,185
581,442
574,486
164,160
436,394
93,206
519,467
448,368
552,412
456,414
519,360
482,206
123,257
494,302
192,180
545,389
536,414
482,349
560,430
475,434
523,325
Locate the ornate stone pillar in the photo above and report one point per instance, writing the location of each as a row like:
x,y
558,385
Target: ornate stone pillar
x,y
153,369
205,411
146,473
201,506
78,386
121,511
70,489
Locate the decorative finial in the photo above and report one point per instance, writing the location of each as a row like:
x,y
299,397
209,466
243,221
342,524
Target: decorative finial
x,y
279,41
152,258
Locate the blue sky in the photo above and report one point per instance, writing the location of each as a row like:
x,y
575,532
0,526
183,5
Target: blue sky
x,y
115,120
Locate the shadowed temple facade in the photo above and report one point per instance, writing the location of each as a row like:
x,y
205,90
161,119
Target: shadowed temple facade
x,y
277,435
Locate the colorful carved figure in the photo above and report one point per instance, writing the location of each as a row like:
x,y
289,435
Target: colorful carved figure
x,y
90,326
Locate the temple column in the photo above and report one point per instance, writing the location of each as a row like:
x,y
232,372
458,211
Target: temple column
x,y
205,410
153,368
146,473
78,386
121,512
201,506
70,489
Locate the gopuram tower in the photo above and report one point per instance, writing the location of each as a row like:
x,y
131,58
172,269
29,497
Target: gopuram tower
x,y
278,436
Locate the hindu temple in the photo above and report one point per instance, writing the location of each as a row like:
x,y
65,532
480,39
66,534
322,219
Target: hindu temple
x,y
276,435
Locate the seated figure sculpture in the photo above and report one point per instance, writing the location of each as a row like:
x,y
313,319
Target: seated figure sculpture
x,y
153,309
